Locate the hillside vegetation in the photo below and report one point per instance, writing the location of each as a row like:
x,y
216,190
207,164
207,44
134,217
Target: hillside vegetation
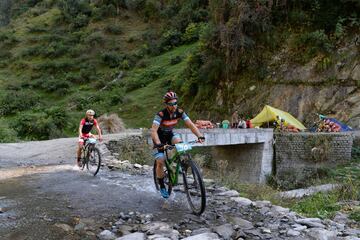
x,y
60,57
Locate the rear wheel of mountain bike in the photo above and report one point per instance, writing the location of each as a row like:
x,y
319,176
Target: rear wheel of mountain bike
x,y
194,185
167,182
93,162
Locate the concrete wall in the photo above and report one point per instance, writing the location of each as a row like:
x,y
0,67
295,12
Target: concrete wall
x,y
249,152
220,137
301,156
244,161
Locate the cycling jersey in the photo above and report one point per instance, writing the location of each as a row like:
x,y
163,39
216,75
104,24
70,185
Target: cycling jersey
x,y
87,125
167,121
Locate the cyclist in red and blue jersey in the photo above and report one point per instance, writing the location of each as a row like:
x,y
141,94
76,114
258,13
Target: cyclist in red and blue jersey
x,y
86,124
162,133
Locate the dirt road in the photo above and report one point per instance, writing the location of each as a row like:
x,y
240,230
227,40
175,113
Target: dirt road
x,y
40,188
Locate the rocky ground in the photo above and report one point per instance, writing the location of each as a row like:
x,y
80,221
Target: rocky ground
x,y
227,216
44,196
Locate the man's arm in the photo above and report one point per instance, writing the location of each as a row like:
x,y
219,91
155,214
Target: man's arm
x,y
154,134
193,128
98,130
80,130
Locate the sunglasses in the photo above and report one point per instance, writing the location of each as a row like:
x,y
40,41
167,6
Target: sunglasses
x,y
172,104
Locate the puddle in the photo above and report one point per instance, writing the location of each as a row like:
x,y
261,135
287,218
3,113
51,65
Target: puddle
x,y
23,171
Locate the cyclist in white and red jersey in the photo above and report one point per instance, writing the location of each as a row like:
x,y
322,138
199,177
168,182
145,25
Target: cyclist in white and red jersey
x,y
162,133
86,124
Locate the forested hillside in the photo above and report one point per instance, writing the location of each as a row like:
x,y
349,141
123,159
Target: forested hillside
x,y
60,57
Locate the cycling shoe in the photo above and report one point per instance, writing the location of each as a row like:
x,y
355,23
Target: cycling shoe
x,y
164,193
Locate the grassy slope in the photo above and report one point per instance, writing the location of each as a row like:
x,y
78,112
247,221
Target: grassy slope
x,y
142,103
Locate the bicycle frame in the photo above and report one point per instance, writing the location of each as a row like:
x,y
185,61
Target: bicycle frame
x,y
85,148
174,172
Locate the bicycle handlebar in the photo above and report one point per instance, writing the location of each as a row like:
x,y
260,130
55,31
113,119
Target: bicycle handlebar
x,y
171,146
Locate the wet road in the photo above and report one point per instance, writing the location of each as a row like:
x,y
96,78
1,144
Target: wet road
x,y
35,199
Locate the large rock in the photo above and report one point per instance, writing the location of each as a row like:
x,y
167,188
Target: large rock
x,y
242,201
231,193
225,231
203,236
292,233
241,223
107,235
161,228
321,234
311,222
200,231
133,236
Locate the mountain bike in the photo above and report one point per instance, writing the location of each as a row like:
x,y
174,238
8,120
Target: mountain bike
x,y
182,163
90,156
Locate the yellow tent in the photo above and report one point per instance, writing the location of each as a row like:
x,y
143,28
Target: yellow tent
x,y
269,114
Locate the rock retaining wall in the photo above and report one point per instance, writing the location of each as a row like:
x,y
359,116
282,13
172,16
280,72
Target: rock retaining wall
x,y
301,156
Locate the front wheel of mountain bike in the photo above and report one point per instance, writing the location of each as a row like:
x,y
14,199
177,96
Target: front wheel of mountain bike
x,y
93,162
194,186
167,181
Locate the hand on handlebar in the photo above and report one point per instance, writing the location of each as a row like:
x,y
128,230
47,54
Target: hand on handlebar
x,y
201,139
160,146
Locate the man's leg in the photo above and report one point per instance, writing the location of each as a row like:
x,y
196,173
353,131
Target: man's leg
x,y
176,138
160,161
80,145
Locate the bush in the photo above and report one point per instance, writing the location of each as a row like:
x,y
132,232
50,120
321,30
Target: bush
x,y
104,11
95,38
312,43
32,51
169,39
113,29
7,134
192,32
142,63
116,99
5,54
75,77
144,79
77,50
134,5
59,66
112,59
76,13
35,126
175,60
151,10
37,29
56,49
58,115
54,85
15,101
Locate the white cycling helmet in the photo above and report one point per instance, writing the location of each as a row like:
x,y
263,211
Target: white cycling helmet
x,y
90,112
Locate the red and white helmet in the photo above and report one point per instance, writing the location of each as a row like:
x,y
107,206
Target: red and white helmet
x,y
170,95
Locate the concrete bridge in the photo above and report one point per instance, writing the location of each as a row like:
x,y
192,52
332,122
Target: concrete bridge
x,y
249,152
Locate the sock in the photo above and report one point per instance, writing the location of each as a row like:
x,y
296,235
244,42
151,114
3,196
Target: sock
x,y
161,182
